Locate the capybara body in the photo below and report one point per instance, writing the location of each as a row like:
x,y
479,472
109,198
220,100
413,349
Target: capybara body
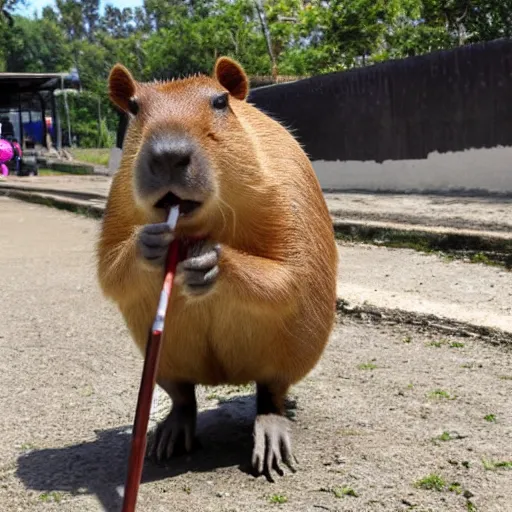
x,y
254,298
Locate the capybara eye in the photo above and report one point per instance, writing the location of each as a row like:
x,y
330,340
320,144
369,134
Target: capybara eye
x,y
220,102
133,106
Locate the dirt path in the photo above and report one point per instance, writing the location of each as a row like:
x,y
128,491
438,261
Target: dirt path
x,y
364,420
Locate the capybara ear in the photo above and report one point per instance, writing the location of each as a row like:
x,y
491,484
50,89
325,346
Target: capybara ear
x,y
232,76
121,88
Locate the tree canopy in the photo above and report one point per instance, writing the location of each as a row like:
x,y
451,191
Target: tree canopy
x,y
165,38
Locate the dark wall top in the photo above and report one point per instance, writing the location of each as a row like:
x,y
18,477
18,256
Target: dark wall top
x,y
402,109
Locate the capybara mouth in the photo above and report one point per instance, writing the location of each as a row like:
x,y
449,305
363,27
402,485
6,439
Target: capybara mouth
x,y
169,200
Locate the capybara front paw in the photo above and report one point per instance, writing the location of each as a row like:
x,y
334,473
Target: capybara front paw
x,y
200,270
153,243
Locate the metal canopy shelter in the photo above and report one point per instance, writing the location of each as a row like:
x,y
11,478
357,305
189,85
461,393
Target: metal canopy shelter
x,y
31,82
34,92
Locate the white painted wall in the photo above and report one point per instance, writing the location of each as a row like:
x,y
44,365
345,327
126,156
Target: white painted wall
x,y
489,170
114,159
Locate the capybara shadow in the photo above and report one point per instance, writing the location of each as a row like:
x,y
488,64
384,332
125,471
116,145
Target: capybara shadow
x,y
99,467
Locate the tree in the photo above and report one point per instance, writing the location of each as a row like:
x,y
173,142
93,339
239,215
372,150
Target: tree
x,y
71,18
90,13
116,22
6,8
35,46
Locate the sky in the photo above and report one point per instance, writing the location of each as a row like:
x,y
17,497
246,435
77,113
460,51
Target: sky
x,y
39,4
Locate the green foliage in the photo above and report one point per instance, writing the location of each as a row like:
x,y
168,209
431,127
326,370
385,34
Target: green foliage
x,y
341,492
279,499
491,465
431,482
86,119
34,46
165,38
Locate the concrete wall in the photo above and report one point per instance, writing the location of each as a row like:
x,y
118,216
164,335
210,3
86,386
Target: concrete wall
x,y
434,123
114,159
475,171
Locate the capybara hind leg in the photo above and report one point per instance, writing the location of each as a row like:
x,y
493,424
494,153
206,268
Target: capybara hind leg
x,y
176,433
272,439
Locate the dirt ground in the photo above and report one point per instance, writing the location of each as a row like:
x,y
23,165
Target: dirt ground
x,y
386,407
426,284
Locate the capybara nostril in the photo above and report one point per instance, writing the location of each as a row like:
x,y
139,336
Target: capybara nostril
x,y
169,155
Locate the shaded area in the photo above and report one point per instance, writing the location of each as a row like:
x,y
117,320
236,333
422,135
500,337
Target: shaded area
x,y
99,467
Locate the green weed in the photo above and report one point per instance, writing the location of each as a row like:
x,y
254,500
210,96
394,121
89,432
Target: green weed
x,y
56,497
490,465
441,394
431,482
341,492
278,498
367,366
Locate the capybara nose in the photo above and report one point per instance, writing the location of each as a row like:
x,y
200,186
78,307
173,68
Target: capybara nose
x,y
170,156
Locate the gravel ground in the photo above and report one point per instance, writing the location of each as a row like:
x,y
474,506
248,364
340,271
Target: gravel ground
x,y
365,421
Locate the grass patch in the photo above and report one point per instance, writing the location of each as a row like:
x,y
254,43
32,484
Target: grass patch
x,y
26,447
431,482
53,496
78,168
278,498
491,418
50,172
505,377
186,489
455,487
95,156
440,394
480,257
445,245
438,343
341,492
367,366
445,436
443,342
406,339
491,465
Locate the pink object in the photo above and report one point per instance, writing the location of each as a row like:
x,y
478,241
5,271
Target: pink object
x,y
18,148
6,152
5,170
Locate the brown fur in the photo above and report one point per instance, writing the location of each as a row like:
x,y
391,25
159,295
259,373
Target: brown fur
x,y
271,311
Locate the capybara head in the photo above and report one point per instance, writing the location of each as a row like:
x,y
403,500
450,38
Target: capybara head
x,y
187,141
